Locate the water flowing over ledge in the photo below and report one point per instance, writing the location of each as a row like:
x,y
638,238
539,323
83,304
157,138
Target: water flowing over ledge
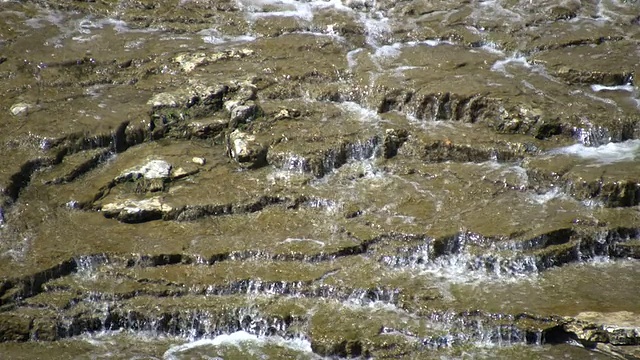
x,y
319,179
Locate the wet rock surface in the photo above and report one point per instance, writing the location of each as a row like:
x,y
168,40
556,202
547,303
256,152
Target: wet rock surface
x,y
319,179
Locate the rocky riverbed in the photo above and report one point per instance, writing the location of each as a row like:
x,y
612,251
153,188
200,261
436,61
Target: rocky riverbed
x,y
319,179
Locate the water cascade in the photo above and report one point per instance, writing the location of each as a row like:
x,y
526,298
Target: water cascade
x,y
319,179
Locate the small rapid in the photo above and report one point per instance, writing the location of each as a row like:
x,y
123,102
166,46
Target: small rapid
x,y
319,179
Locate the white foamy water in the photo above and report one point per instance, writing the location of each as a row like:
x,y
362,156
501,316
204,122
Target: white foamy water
x,y
493,9
501,65
375,23
500,262
514,175
467,268
239,339
388,51
605,154
626,87
355,303
541,199
351,57
87,25
376,27
214,37
54,18
292,240
363,114
492,49
295,163
87,266
393,50
328,32
594,97
303,10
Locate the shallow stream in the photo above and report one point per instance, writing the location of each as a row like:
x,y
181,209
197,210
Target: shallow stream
x,y
191,179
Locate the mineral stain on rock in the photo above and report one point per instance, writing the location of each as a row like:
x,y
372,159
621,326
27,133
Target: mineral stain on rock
x,y
310,179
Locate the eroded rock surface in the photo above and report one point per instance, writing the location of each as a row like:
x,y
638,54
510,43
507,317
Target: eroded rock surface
x,y
340,179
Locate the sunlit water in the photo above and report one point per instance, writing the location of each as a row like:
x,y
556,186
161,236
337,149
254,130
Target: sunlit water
x,y
501,279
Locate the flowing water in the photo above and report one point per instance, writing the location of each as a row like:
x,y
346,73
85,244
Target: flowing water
x,y
311,179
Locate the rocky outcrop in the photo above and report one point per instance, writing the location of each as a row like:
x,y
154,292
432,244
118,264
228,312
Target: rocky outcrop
x,y
593,328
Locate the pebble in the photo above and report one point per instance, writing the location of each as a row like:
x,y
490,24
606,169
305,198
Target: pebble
x,y
20,109
199,160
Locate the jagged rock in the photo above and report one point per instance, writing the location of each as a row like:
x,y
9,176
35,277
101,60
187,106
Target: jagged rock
x,y
613,192
188,62
207,94
519,119
349,245
393,139
616,328
186,97
246,150
207,128
154,169
241,113
134,211
20,109
74,165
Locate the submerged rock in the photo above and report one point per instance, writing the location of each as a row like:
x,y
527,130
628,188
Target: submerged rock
x,y
402,202
246,150
14,327
182,172
20,109
189,61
